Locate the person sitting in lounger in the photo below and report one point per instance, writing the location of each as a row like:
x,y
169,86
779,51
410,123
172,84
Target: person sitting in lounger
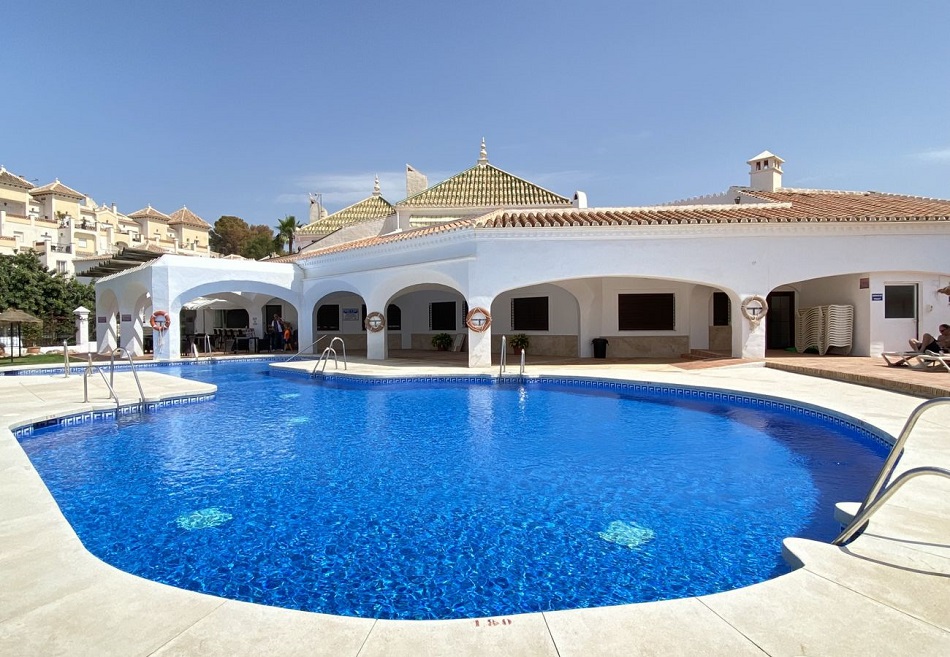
x,y
920,348
929,343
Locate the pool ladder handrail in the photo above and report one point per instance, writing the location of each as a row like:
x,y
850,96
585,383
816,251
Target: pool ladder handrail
x,y
325,356
310,346
135,375
85,382
503,361
879,492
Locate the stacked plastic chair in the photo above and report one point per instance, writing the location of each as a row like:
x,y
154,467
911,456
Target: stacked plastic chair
x,y
838,329
825,327
810,328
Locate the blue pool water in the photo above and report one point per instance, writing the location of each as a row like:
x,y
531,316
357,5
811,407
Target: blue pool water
x,y
448,500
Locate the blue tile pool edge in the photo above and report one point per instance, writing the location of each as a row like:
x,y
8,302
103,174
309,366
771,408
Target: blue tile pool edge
x,y
763,402
26,428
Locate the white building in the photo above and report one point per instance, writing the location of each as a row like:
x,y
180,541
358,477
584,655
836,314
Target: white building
x,y
71,233
653,281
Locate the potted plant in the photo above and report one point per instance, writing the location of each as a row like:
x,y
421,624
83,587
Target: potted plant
x,y
519,341
442,341
30,334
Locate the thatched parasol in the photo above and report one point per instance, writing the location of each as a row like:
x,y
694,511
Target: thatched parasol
x,y
13,317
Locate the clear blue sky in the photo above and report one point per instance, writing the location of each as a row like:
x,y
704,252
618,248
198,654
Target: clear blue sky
x,y
244,107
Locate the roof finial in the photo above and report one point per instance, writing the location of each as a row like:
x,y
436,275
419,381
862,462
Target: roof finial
x,y
483,154
376,186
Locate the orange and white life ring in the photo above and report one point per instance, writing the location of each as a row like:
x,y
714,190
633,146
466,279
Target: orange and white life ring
x,y
160,320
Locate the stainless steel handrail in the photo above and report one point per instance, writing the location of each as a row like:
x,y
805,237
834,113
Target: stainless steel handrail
x,y
325,357
898,449
85,383
66,358
312,344
343,345
504,358
861,519
135,374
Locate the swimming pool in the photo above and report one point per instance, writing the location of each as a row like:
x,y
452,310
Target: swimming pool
x,y
446,500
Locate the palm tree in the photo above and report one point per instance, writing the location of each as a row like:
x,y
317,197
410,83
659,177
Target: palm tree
x,y
285,230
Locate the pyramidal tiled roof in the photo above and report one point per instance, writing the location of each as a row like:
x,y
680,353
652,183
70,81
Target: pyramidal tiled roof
x,y
13,180
188,218
57,189
149,212
374,207
484,185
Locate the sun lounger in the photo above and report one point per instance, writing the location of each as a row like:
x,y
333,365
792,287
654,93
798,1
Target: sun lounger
x,y
899,358
935,358
916,360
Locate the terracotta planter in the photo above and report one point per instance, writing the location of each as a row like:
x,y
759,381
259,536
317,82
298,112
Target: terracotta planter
x,y
33,351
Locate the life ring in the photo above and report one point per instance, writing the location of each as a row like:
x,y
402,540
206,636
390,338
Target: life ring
x,y
478,319
754,309
160,320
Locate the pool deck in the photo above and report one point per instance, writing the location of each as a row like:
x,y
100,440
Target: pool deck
x,y
888,593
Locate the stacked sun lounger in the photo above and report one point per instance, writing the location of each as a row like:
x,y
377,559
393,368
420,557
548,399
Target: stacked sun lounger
x,y
825,327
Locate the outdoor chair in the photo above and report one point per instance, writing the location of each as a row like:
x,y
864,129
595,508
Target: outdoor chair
x,y
916,360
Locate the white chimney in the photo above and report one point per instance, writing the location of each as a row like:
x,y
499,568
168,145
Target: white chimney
x,y
580,200
765,172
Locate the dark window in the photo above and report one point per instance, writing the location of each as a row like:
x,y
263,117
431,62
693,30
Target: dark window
x,y
363,315
646,312
529,314
442,316
900,301
722,309
328,317
236,318
393,317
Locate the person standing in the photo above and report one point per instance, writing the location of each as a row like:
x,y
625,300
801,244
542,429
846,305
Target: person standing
x,y
277,333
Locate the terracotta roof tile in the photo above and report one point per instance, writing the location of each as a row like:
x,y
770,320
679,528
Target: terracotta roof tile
x,y
13,180
374,207
57,189
781,207
486,186
149,212
188,218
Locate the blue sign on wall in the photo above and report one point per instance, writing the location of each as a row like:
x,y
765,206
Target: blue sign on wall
x,y
878,296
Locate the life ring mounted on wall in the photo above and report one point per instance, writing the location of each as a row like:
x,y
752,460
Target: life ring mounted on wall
x,y
160,321
754,309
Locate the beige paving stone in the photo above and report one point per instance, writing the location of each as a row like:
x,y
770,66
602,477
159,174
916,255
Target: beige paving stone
x,y
804,614
118,615
674,627
523,635
912,583
40,576
237,628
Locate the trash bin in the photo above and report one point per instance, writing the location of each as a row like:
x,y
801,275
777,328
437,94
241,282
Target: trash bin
x,y
600,347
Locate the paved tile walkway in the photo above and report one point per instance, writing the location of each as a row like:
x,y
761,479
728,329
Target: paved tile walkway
x,y
888,593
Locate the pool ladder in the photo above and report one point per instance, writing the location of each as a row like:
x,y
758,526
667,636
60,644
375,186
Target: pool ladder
x,y
325,356
110,382
310,346
880,493
503,361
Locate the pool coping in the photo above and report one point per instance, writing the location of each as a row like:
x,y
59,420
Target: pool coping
x,y
83,606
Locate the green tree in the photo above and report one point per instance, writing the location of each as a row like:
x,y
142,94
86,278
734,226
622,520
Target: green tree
x,y
232,235
52,297
260,243
228,235
286,228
